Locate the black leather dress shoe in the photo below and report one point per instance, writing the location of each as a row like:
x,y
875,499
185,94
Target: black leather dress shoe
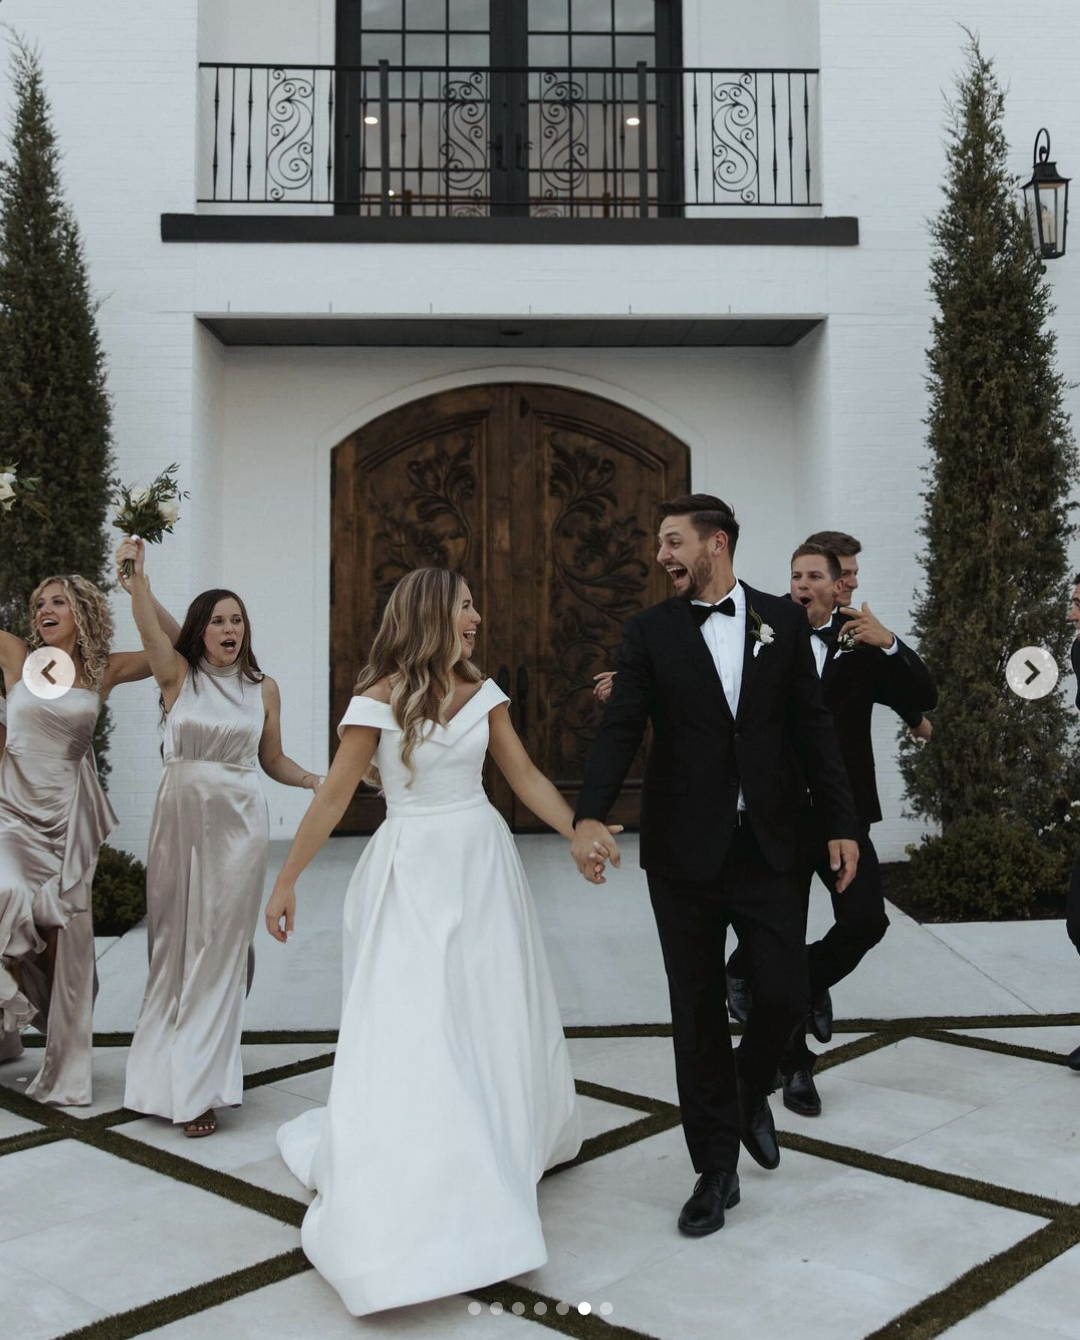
x,y
1073,1061
801,1095
703,1213
739,999
757,1130
820,1016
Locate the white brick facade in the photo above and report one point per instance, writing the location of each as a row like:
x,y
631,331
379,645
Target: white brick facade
x,y
828,433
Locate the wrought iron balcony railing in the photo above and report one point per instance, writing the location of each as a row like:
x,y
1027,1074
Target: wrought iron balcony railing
x,y
573,143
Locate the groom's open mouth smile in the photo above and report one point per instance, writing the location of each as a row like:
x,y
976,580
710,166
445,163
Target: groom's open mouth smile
x,y
677,572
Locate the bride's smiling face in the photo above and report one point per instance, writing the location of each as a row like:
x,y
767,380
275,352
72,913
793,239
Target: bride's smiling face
x,y
468,622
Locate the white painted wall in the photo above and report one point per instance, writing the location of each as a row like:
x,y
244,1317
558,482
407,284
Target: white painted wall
x,y
830,433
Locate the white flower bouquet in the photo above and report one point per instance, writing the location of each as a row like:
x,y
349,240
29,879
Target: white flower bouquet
x,y
148,512
14,488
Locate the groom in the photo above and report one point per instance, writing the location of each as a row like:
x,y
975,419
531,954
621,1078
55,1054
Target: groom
x,y
727,678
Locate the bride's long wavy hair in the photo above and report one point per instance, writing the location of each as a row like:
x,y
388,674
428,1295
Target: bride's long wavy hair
x,y
418,648
93,623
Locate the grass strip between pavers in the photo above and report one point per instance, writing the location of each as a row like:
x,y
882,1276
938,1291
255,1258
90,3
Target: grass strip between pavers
x,y
174,1306
928,1319
994,1045
975,1288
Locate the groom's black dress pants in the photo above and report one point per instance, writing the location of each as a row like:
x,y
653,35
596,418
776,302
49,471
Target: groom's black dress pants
x,y
766,911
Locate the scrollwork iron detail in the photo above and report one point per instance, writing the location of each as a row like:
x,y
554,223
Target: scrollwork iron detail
x,y
734,119
464,150
290,117
563,135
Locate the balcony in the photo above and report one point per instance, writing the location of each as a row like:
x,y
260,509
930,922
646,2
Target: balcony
x,y
436,143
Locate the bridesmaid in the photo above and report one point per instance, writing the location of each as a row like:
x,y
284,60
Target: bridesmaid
x,y
209,840
54,817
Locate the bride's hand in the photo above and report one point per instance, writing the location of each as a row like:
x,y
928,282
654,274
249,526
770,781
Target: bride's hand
x,y
282,906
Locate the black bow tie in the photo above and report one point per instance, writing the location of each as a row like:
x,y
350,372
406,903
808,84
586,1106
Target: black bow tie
x,y
702,612
828,634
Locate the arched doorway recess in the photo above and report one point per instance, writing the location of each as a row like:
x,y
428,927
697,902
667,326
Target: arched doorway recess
x,y
544,499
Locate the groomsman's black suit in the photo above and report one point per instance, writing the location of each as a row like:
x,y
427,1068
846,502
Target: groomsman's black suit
x,y
707,866
851,683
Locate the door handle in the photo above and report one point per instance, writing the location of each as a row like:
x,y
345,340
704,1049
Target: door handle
x,y
497,157
522,696
503,679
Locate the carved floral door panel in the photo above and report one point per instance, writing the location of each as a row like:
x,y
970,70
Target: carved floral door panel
x,y
543,498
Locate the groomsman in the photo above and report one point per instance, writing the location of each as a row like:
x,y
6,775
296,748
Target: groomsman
x,y
726,676
1072,902
860,663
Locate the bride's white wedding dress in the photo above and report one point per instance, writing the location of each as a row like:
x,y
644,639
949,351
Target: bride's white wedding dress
x,y
451,1089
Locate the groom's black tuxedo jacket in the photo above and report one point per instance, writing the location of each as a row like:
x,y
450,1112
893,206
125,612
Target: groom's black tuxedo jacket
x,y
851,683
700,754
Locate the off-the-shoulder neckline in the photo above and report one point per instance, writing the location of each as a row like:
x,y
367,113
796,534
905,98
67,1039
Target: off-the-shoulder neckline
x,y
440,732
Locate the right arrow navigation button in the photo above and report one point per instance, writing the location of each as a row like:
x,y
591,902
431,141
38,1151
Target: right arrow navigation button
x,y
1031,672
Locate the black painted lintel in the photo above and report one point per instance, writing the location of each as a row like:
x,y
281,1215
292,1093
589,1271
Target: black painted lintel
x,y
741,232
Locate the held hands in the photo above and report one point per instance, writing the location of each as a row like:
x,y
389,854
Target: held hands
x,y
134,550
867,628
311,781
281,908
843,856
603,683
593,844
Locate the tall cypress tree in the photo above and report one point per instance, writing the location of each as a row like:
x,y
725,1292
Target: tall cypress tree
x,y
996,520
55,419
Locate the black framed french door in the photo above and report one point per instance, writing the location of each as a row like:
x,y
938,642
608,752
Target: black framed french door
x,y
507,106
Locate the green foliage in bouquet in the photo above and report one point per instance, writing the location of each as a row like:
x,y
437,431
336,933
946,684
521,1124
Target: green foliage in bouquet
x,y
119,892
55,418
996,525
147,512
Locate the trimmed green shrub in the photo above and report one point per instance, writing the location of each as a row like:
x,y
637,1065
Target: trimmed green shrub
x,y
119,894
983,868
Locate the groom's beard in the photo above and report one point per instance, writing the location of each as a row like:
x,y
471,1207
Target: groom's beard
x,y
699,576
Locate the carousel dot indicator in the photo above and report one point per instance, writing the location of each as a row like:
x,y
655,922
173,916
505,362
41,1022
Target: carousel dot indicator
x,y
475,1309
584,1308
496,1309
48,672
606,1309
562,1309
540,1309
518,1309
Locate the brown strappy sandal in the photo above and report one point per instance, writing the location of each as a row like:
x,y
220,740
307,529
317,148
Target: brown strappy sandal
x,y
204,1125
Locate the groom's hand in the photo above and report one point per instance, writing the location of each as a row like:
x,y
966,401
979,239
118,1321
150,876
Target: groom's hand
x,y
843,856
593,844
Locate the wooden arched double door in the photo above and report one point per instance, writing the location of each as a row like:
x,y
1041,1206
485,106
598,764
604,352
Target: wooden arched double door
x,y
544,499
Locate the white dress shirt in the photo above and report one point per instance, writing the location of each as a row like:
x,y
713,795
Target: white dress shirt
x,y
725,637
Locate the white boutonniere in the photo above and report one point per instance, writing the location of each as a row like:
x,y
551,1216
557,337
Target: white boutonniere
x,y
845,642
761,632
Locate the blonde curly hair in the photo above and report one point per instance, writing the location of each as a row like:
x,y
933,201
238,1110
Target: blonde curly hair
x,y
93,623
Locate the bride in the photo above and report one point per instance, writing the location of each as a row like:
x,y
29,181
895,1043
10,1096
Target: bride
x,y
451,1090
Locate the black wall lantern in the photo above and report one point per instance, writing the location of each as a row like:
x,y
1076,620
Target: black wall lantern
x,y
1046,199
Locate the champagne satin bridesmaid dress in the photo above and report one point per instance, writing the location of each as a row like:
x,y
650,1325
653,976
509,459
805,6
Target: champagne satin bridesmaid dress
x,y
209,841
54,817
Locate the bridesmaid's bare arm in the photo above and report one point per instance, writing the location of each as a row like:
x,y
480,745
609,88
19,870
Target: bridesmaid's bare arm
x,y
12,654
352,760
159,657
272,758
